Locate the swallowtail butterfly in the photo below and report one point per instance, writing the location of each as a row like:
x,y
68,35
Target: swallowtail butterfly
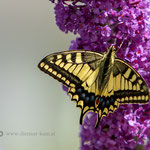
x,y
97,82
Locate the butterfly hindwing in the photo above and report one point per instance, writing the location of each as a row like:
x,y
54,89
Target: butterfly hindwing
x,y
106,102
84,100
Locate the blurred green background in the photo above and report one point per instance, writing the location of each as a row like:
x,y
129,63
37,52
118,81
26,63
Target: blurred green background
x,y
35,113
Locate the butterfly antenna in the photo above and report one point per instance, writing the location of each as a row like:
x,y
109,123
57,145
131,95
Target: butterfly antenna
x,y
120,45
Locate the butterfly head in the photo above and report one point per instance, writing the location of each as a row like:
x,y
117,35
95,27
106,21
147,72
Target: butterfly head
x,y
111,53
111,50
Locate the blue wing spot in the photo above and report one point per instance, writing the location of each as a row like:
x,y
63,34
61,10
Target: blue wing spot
x,y
87,100
103,105
83,96
101,100
112,100
92,98
107,103
79,91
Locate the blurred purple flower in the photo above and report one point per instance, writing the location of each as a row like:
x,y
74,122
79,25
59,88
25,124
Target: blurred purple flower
x,y
100,24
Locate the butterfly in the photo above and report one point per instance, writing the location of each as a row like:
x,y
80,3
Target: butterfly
x,y
97,82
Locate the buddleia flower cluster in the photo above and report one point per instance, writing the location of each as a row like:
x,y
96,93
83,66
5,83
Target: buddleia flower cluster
x,y
99,24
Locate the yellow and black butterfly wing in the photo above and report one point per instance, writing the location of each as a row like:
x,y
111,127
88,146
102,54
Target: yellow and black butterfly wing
x,y
106,102
129,86
70,67
86,93
78,70
124,86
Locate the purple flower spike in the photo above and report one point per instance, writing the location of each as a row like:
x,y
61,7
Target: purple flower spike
x,y
100,24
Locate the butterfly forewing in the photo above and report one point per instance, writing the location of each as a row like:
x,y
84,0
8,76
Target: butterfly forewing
x,y
129,86
70,67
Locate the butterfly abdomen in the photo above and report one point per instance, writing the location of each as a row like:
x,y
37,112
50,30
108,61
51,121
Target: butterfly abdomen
x,y
106,66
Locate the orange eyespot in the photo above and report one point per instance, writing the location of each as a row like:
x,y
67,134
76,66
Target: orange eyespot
x,y
97,101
